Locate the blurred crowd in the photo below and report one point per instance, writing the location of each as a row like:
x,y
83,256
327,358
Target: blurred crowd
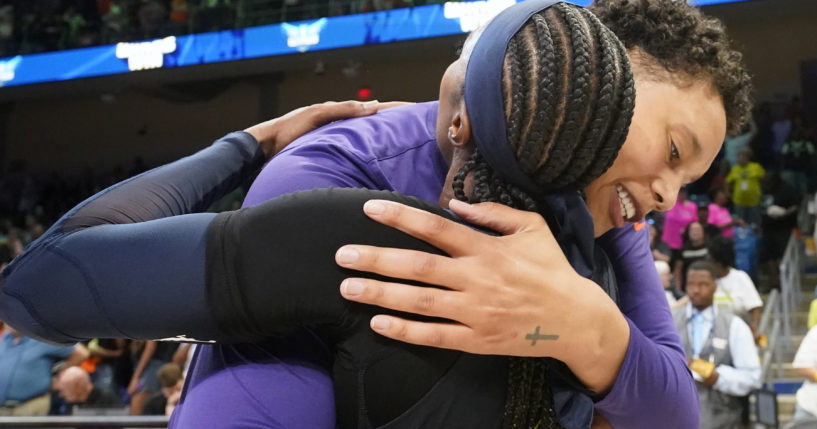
x,y
98,377
722,241
49,25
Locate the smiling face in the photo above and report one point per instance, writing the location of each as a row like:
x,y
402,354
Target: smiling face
x,y
676,131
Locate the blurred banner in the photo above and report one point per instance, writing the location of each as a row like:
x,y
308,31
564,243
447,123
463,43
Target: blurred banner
x,y
269,40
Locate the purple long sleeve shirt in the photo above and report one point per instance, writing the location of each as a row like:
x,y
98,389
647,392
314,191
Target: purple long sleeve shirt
x,y
287,383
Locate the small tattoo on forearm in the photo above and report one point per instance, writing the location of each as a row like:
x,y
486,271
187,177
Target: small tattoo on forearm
x,y
536,336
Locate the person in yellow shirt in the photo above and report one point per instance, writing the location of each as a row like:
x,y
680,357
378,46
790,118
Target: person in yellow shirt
x,y
745,179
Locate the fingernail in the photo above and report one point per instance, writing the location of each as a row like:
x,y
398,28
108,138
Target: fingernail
x,y
370,104
346,255
380,323
457,204
374,207
352,287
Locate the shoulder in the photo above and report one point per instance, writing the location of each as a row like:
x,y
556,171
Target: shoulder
x,y
381,135
739,275
627,237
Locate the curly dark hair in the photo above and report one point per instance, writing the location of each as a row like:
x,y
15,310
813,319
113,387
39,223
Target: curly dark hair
x,y
683,41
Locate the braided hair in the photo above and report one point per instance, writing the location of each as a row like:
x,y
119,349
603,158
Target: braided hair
x,y
568,97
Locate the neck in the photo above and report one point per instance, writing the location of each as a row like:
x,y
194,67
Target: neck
x,y
703,306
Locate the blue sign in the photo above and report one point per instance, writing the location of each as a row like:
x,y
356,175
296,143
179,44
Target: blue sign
x,y
255,42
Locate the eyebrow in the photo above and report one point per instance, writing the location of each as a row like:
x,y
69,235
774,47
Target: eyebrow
x,y
696,146
696,143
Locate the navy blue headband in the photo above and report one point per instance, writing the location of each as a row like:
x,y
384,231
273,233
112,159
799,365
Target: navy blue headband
x,y
483,91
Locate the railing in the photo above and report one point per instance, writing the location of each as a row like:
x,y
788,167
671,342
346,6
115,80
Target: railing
x,y
771,351
791,267
771,354
132,422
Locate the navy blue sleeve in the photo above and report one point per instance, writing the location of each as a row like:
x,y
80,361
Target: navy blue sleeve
x,y
129,261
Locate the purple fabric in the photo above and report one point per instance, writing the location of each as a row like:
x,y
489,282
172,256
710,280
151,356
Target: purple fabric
x,y
654,387
393,150
287,383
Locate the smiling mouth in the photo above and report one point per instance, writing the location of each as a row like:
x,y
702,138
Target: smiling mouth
x,y
628,207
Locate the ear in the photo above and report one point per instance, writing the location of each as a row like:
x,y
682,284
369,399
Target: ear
x,y
459,131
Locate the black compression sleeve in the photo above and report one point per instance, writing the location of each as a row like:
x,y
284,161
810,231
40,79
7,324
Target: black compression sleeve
x,y
271,267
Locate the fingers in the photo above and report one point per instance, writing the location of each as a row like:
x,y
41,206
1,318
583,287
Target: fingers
x,y
400,263
451,237
497,217
432,334
425,301
390,104
331,111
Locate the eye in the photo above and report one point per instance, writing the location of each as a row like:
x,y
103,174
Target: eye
x,y
673,151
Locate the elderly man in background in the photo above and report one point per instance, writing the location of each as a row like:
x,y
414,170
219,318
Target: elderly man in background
x,y
720,349
74,384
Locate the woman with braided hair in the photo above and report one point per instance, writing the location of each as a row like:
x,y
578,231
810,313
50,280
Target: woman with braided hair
x,y
248,290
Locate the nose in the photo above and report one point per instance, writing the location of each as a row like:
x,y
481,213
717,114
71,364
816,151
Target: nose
x,y
665,190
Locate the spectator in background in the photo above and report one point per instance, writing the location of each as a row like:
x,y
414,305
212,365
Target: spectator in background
x,y
763,141
153,22
25,372
744,178
660,250
721,351
171,381
149,357
74,384
798,158
719,214
780,205
733,145
812,311
694,248
805,361
736,292
675,220
104,354
711,231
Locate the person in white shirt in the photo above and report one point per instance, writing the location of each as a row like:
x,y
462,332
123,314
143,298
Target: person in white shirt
x,y
720,349
805,361
736,291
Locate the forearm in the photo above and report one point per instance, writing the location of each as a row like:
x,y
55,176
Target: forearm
x,y
657,379
106,353
287,276
809,374
755,314
113,254
144,359
188,185
737,381
79,354
596,348
654,373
